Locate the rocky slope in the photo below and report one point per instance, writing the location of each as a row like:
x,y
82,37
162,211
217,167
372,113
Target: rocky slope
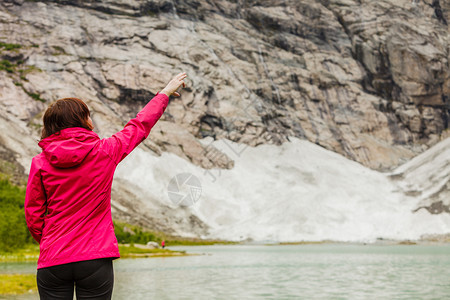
x,y
365,79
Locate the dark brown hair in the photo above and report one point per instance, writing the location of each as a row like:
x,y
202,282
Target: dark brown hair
x,y
65,113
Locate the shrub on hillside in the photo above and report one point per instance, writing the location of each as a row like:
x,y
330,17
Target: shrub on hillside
x,y
13,229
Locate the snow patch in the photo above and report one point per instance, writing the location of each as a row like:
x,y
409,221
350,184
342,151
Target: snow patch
x,y
293,192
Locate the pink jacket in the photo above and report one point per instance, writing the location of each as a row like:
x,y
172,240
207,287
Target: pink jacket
x,y
68,196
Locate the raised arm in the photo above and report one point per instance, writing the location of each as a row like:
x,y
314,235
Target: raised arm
x,y
136,130
35,203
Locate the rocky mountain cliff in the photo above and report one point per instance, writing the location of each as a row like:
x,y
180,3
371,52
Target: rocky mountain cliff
x,y
366,79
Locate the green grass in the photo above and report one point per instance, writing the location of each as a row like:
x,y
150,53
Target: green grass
x,y
15,284
28,253
18,71
15,67
12,67
131,251
9,47
196,242
7,66
31,253
35,96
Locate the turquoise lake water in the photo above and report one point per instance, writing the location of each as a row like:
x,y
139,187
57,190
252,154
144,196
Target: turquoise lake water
x,y
327,271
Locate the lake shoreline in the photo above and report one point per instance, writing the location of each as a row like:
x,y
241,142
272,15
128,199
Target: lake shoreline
x,y
307,261
31,252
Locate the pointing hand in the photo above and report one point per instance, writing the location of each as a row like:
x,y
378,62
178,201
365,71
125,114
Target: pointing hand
x,y
172,87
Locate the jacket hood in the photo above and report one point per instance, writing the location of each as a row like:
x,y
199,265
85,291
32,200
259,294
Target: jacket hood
x,y
69,147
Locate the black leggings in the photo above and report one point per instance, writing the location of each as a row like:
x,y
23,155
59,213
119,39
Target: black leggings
x,y
93,279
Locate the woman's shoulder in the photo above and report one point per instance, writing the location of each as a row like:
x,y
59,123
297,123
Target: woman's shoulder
x,y
38,160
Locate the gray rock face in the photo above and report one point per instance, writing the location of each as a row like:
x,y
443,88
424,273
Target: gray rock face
x,y
366,79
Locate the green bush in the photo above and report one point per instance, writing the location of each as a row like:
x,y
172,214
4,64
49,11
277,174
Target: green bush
x,y
13,228
126,233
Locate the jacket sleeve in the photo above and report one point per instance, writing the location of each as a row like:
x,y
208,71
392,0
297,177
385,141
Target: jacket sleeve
x,y
35,203
136,130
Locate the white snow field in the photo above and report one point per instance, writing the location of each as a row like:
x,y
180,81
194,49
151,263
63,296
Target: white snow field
x,y
298,192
